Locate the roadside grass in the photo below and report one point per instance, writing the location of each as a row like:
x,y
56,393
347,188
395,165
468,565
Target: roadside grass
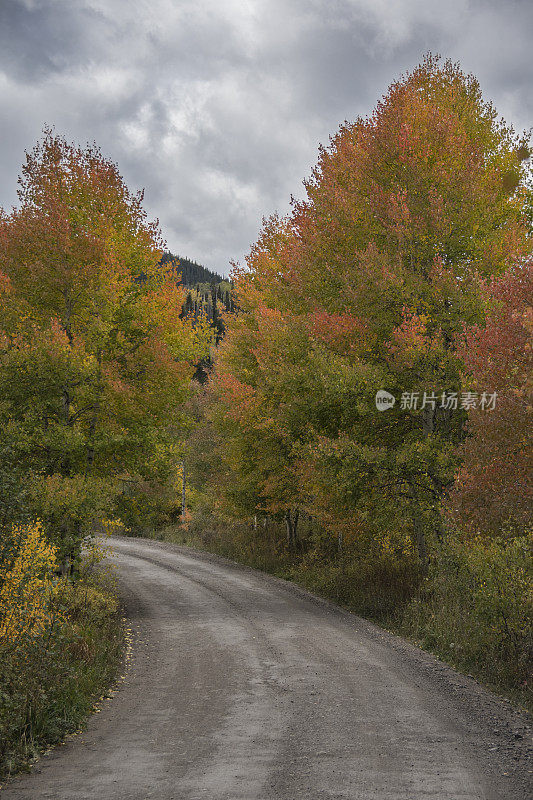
x,y
50,680
473,610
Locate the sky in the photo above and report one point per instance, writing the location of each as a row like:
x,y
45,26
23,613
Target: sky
x,y
217,107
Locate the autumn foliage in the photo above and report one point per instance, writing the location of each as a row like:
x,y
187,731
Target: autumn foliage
x,y
369,284
29,588
493,493
95,362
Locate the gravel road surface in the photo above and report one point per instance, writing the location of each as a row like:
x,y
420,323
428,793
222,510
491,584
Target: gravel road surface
x,y
243,687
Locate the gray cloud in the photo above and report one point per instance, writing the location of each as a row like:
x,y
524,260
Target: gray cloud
x,y
217,107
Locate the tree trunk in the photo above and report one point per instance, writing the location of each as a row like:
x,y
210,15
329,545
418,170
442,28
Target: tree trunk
x,y
94,419
428,426
183,492
291,521
419,534
428,420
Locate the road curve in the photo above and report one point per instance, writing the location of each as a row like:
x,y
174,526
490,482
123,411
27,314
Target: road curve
x,y
243,687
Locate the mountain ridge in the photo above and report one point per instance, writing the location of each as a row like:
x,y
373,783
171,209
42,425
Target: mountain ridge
x,y
191,272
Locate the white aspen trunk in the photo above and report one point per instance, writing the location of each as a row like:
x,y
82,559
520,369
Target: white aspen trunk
x,y
183,491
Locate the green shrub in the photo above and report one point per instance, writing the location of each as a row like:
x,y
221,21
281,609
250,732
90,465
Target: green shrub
x,y
476,609
374,586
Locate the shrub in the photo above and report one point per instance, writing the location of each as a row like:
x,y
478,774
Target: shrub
x,y
28,587
60,644
476,610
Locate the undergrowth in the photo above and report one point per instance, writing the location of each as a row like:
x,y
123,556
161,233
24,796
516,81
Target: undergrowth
x,y
61,643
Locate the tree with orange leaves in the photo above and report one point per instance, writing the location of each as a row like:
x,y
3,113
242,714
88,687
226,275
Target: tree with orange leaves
x,y
494,489
375,276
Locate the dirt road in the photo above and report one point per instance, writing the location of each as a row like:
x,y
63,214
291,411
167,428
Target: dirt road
x,y
243,687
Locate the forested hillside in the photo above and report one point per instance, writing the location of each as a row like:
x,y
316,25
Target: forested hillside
x,y
208,295
189,271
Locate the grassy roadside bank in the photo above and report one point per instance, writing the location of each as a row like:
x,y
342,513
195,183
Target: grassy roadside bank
x,y
58,654
473,610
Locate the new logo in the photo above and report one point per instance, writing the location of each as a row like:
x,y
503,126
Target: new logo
x,y
384,400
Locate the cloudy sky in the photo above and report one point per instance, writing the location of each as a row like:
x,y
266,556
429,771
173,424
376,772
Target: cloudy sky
x,y
217,107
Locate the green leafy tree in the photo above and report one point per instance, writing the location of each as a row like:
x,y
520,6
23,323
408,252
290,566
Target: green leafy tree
x,y
94,360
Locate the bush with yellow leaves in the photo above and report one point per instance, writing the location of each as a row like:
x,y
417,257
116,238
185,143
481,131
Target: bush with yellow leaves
x,y
28,587
61,641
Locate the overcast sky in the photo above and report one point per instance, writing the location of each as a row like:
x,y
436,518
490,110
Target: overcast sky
x,y
217,107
